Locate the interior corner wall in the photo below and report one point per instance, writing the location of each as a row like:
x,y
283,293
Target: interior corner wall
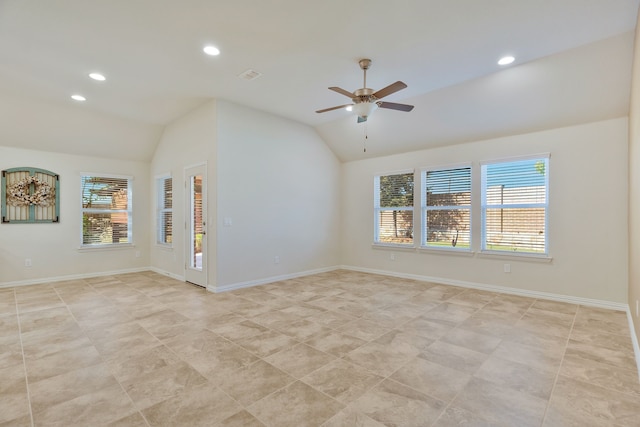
x,y
634,187
53,247
187,141
279,191
587,223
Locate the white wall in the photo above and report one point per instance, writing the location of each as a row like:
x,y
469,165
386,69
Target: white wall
x,y
587,215
53,248
185,142
634,188
279,184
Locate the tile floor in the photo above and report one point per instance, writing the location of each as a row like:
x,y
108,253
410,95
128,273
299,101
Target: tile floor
x,y
335,349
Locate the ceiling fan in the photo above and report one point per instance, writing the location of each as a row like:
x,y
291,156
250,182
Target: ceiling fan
x,y
365,101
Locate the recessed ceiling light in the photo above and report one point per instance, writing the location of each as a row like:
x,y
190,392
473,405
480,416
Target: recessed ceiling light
x,y
97,76
349,108
211,50
506,60
78,97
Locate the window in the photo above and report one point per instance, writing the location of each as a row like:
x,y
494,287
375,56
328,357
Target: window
x,y
446,208
164,212
393,208
106,210
514,206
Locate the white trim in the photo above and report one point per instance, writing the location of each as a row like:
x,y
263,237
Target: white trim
x,y
446,251
106,247
257,282
167,273
515,158
107,175
394,246
195,165
611,305
163,175
521,256
70,277
634,339
462,165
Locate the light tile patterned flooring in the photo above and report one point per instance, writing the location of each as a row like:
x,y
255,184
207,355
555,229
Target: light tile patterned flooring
x,y
335,349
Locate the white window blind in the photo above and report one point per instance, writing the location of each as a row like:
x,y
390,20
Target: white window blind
x,y
106,210
164,212
393,208
446,208
514,206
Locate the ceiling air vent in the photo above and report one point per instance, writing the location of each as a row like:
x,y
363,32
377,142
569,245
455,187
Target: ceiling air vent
x,y
249,75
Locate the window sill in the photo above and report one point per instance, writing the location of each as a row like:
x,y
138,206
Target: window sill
x,y
116,247
446,251
515,256
391,246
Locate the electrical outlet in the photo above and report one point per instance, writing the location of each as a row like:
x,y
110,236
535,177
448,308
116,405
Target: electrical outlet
x,y
507,268
392,257
27,262
137,254
276,259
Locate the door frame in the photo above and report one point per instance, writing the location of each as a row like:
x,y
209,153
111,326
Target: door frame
x,y
191,274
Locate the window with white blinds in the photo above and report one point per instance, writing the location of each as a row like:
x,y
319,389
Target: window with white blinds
x,y
164,211
393,209
106,210
515,202
446,208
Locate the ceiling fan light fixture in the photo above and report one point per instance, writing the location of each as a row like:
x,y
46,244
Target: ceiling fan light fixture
x,y
349,108
364,109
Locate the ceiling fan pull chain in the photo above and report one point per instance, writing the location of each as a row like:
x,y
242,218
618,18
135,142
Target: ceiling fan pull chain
x,y
366,136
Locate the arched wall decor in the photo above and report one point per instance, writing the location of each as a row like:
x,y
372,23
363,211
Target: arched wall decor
x,y
30,195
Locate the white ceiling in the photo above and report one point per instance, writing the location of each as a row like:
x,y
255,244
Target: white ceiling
x,y
573,65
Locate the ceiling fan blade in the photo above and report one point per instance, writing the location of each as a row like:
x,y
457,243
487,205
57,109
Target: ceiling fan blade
x,y
333,108
394,106
392,88
341,91
361,119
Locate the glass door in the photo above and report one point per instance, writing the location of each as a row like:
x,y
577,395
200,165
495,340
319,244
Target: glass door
x,y
196,235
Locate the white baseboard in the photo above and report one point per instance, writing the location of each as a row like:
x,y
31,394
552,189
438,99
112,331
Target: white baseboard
x,y
257,282
69,277
168,274
611,305
634,340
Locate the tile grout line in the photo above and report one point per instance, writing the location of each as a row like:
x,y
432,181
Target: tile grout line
x,y
100,354
555,381
24,361
449,405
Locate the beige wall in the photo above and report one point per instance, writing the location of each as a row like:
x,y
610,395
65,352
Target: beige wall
x,y
187,141
279,184
587,174
274,179
634,188
53,248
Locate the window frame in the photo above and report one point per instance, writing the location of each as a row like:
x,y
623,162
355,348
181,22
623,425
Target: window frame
x,y
128,211
377,210
161,210
484,206
424,209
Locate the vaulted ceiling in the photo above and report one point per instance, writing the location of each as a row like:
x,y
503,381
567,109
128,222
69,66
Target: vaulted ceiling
x,y
573,65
